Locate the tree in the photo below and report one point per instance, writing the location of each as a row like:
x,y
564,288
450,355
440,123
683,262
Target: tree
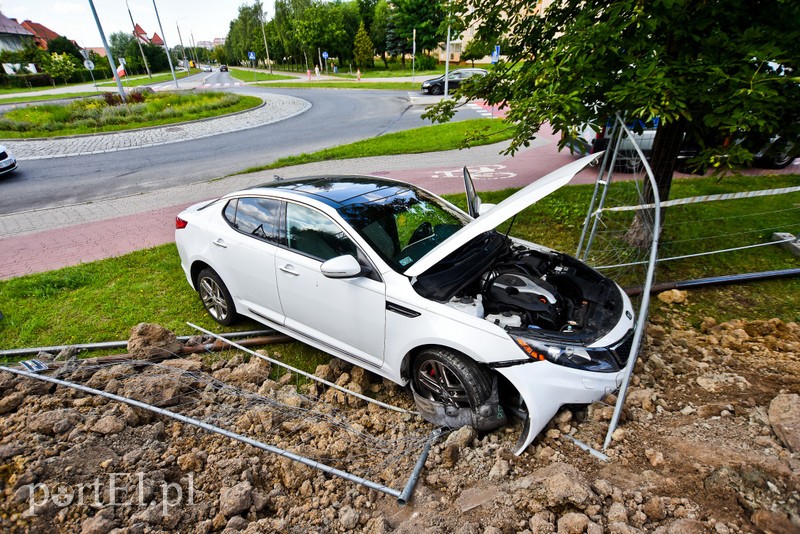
x,y
60,66
476,49
362,48
118,42
377,31
423,15
719,72
61,45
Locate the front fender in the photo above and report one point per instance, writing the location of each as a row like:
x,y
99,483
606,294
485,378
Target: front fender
x,y
545,387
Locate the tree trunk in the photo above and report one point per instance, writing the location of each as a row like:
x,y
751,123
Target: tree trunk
x,y
663,160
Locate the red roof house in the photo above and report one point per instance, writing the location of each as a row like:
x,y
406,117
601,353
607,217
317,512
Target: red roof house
x,y
41,33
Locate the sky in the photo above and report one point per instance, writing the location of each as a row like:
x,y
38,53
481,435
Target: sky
x,y
204,19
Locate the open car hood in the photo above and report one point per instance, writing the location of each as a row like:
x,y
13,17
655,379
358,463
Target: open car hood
x,y
517,202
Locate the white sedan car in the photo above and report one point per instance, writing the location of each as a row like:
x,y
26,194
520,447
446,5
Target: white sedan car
x,y
7,161
399,281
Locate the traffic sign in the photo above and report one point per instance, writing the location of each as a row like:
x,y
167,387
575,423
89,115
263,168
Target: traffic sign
x,y
89,64
251,56
496,54
324,55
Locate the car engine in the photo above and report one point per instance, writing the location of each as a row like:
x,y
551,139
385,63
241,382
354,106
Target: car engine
x,y
542,290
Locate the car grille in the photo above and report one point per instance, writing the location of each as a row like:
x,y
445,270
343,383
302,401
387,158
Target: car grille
x,y
622,351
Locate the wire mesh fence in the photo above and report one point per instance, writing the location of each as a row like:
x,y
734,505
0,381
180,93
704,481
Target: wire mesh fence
x,y
247,399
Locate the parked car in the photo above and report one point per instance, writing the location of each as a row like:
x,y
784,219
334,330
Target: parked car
x,y
223,68
7,161
435,86
774,153
392,278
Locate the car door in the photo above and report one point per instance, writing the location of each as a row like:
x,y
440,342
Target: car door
x,y
244,253
346,314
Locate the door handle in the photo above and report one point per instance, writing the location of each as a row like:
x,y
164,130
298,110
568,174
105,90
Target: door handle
x,y
288,269
220,243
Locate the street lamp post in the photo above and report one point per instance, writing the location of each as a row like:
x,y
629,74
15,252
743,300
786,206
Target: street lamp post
x,y
183,48
138,41
166,48
108,53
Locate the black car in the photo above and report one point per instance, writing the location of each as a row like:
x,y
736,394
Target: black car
x,y
223,68
436,85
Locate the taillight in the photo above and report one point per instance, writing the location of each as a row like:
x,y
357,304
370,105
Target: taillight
x,y
180,223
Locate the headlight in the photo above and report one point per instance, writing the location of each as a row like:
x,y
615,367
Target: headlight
x,y
587,359
425,84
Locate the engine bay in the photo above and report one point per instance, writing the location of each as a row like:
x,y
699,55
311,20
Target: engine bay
x,y
542,290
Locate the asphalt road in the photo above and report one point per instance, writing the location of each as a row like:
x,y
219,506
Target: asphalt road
x,y
336,117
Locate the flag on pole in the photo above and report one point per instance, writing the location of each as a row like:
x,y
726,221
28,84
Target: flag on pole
x,y
121,71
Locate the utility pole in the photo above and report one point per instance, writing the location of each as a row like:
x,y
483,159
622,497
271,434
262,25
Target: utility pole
x,y
108,53
183,49
141,50
194,49
166,48
264,33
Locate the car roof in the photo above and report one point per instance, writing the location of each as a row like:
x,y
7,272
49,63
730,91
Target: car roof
x,y
339,190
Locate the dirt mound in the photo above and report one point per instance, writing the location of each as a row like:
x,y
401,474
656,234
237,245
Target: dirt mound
x,y
708,443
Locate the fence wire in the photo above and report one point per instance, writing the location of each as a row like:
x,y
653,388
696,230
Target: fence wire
x,y
285,411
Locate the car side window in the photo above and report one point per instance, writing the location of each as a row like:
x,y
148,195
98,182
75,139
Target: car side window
x,y
313,233
254,216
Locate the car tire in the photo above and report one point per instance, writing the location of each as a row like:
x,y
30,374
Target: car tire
x,y
451,379
437,90
778,161
215,297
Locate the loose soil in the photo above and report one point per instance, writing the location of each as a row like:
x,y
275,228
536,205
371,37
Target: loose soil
x,y
704,446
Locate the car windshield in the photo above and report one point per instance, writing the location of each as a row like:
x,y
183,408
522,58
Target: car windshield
x,y
405,226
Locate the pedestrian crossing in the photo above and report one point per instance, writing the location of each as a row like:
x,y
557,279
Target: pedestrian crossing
x,y
485,110
218,85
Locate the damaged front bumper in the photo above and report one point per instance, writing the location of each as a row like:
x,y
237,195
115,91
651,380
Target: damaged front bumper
x,y
543,387
546,387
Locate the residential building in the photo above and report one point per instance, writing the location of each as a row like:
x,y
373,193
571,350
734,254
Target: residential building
x,y
41,33
12,35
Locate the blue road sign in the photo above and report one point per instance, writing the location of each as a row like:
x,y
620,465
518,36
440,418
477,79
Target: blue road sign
x,y
496,54
325,55
251,56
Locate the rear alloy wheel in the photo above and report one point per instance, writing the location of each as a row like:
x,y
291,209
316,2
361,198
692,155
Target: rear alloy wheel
x,y
216,297
450,379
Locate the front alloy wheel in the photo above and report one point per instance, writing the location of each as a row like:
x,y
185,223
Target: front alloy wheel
x,y
216,297
450,379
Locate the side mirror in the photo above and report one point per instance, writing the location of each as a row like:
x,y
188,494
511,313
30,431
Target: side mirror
x,y
341,267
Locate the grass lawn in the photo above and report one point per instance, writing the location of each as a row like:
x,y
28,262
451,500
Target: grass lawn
x,y
256,75
448,136
94,115
39,98
345,84
101,301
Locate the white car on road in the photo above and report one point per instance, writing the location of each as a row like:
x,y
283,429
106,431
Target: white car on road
x,y
399,281
7,161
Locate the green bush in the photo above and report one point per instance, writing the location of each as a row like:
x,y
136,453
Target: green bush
x,y
426,62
